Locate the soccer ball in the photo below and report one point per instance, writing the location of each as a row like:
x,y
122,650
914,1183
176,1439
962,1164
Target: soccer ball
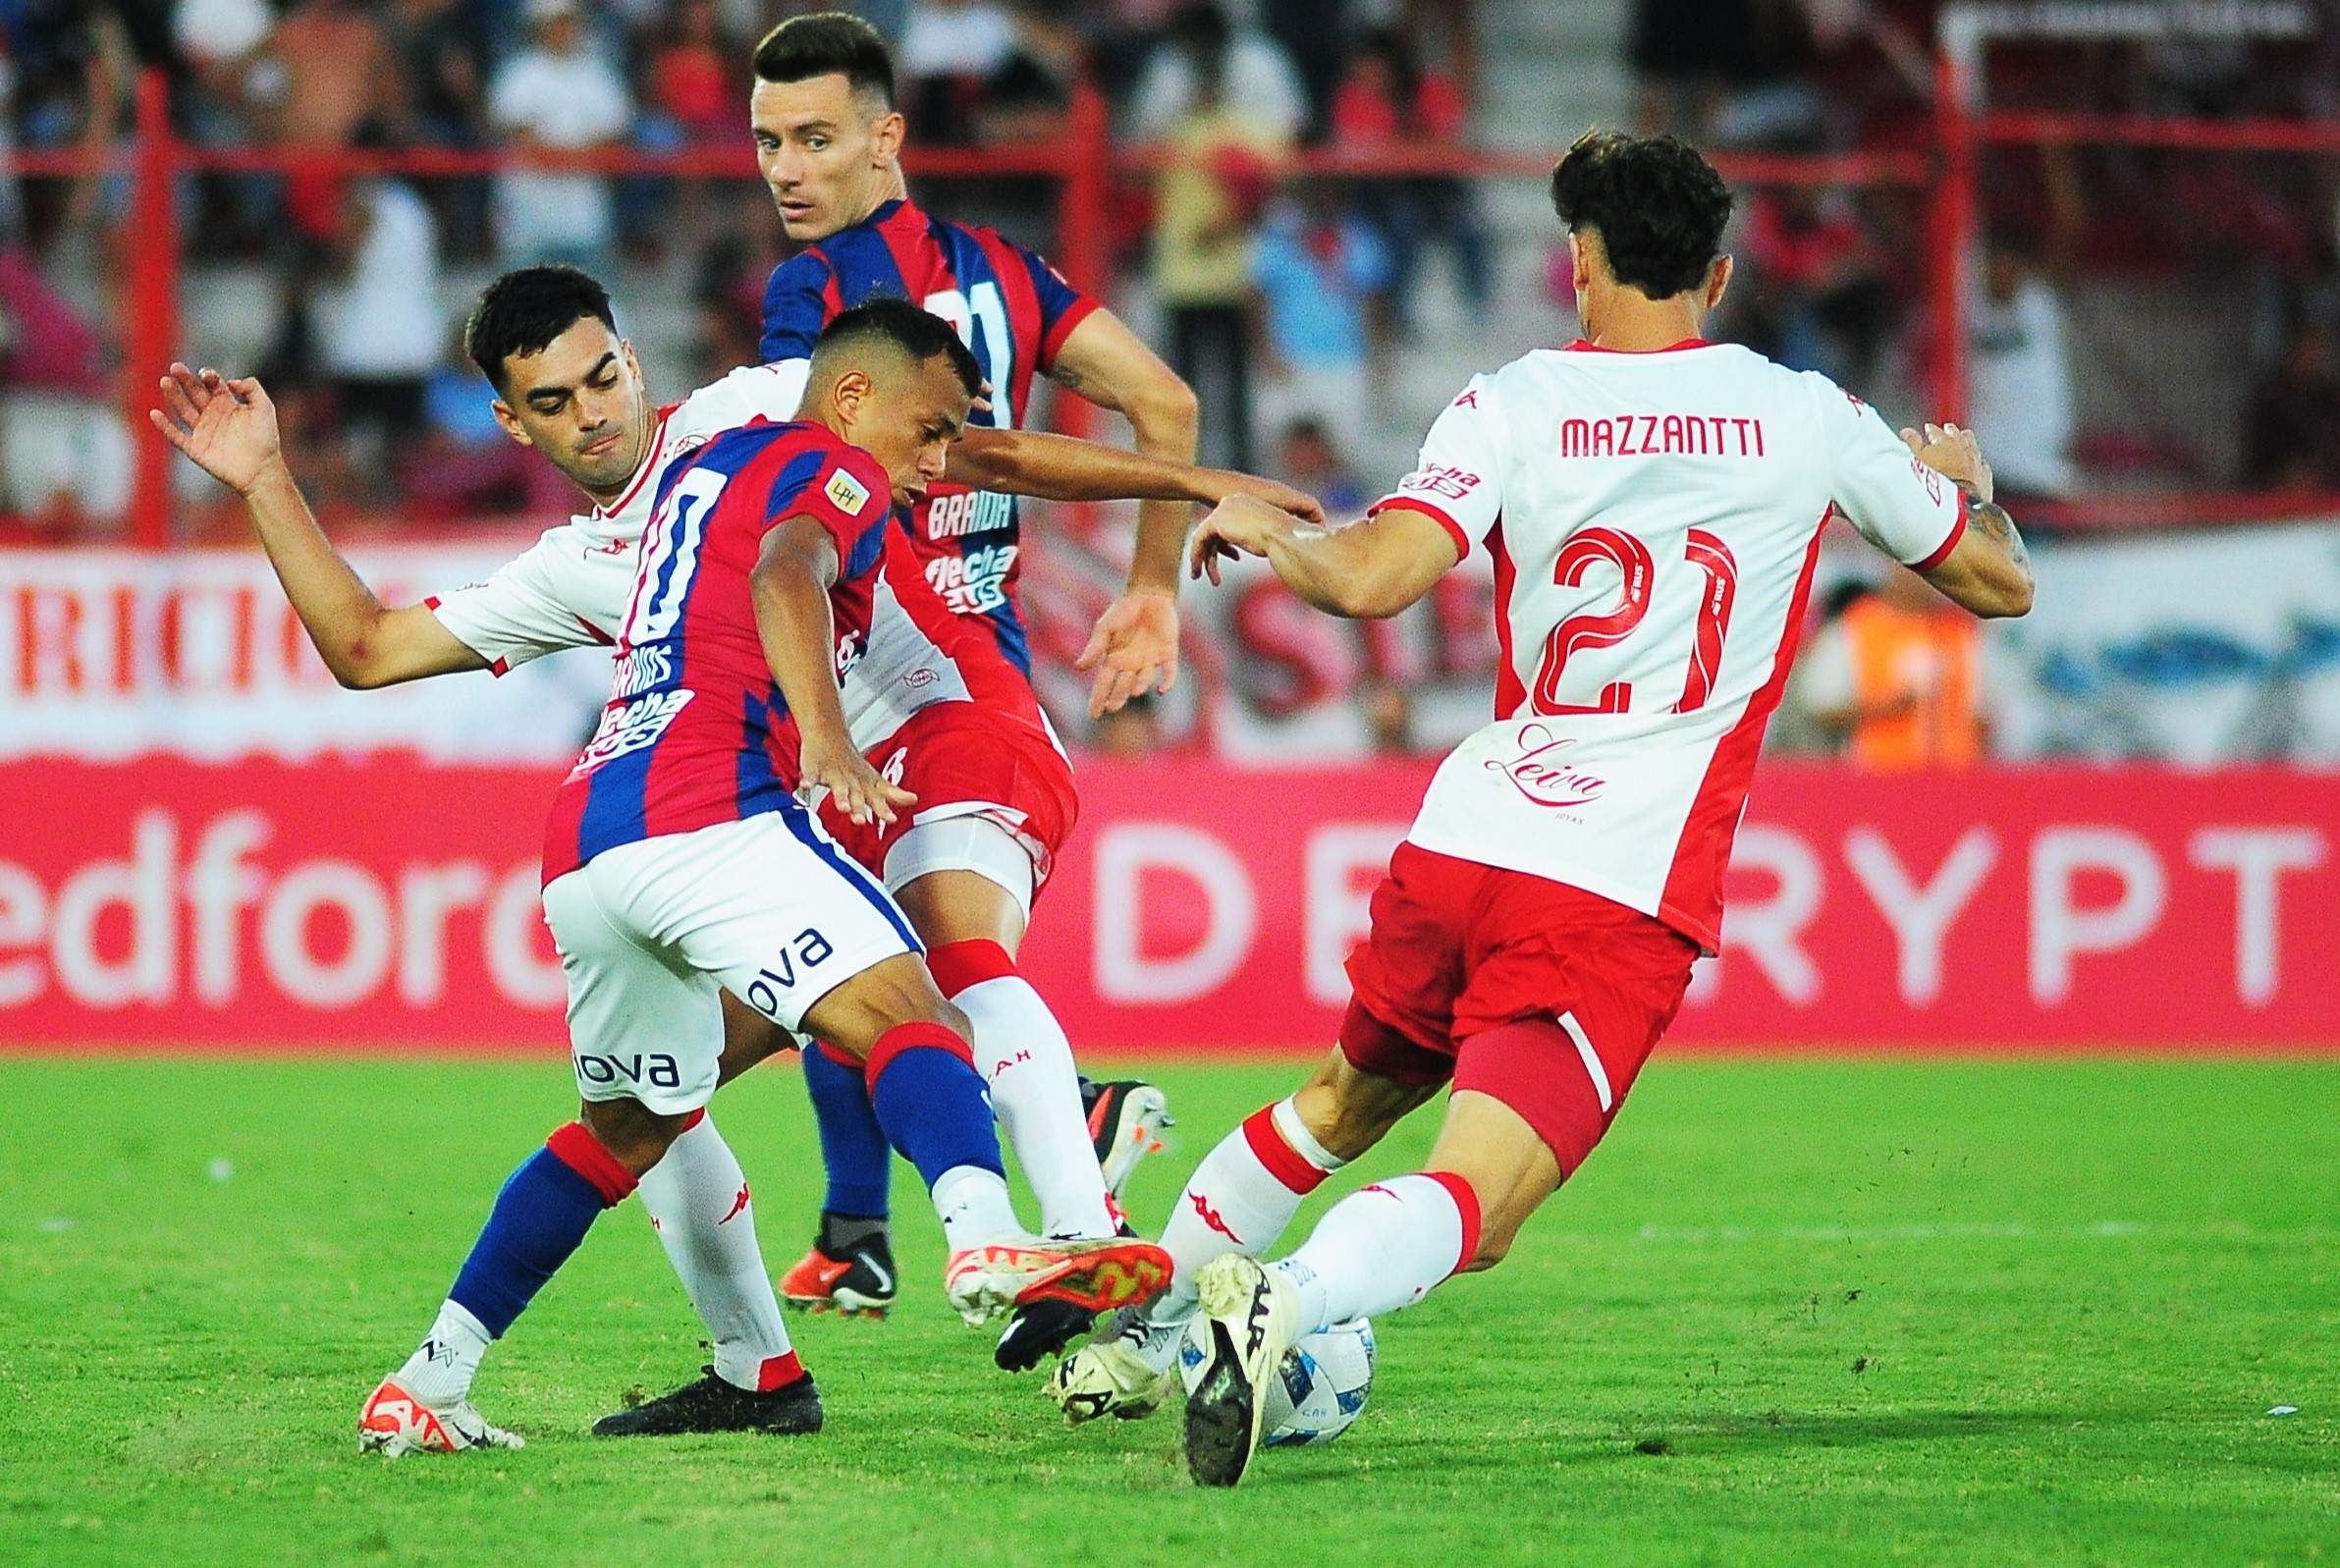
x,y
1323,1389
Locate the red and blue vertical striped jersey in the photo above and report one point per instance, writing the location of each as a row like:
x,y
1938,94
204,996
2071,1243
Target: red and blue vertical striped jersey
x,y
696,731
1011,307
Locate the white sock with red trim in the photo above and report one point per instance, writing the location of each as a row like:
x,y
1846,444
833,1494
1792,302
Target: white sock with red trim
x,y
1025,1059
698,1199
1381,1248
1240,1198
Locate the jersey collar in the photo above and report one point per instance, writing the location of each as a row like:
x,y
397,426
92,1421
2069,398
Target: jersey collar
x,y
641,475
1580,346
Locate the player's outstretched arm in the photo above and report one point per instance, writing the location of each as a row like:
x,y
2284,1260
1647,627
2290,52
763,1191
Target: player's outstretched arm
x,y
1365,572
228,429
1033,463
1988,573
789,583
1135,646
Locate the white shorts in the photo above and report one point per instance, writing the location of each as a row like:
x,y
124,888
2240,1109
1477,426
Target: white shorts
x,y
971,838
768,908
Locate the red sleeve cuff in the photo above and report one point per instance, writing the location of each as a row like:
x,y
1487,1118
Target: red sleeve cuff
x,y
1077,312
1957,532
1462,540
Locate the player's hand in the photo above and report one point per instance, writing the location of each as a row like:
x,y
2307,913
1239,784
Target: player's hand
x,y
859,790
1300,503
1240,525
226,427
1134,649
1952,453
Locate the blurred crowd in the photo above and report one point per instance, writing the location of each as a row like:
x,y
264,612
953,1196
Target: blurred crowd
x,y
1273,298
1292,301
1831,277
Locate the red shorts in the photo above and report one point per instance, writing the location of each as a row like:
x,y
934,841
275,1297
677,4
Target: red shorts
x,y
1459,950
958,754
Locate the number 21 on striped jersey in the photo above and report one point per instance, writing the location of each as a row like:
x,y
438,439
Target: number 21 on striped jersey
x,y
1608,546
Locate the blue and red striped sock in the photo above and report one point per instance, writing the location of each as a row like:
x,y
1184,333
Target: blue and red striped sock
x,y
931,1102
540,1217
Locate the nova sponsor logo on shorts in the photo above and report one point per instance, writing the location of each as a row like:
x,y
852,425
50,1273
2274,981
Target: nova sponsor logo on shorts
x,y
806,951
1541,773
659,1071
627,726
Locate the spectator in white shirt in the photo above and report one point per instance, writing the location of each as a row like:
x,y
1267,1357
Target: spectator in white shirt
x,y
2019,384
557,93
379,326
1255,76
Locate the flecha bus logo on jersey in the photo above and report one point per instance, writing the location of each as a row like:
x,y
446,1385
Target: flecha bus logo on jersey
x,y
1541,773
1441,479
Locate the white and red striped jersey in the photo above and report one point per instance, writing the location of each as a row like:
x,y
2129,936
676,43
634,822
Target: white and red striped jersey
x,y
1654,519
571,588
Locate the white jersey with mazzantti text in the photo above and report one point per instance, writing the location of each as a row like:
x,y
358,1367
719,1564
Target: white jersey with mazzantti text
x,y
1654,519
571,588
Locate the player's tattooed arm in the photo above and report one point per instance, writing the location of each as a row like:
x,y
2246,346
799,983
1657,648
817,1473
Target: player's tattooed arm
x,y
1988,572
1992,519
226,427
1364,572
790,586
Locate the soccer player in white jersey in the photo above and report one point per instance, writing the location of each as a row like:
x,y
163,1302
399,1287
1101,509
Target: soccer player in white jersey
x,y
571,389
1654,506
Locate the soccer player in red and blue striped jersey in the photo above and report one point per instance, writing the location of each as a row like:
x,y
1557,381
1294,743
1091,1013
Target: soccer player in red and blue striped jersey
x,y
680,864
828,139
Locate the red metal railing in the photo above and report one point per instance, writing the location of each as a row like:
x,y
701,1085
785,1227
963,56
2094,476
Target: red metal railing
x,y
1084,163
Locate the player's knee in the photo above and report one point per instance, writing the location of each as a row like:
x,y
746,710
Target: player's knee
x,y
635,1136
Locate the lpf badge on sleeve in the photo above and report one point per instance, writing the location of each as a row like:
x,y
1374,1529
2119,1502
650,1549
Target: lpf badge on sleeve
x,y
848,494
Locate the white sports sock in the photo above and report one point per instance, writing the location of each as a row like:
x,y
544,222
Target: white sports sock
x,y
698,1199
1377,1250
974,1208
1240,1198
440,1371
1035,1089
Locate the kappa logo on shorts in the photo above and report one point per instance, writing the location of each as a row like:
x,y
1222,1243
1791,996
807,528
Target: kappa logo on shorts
x,y
1541,774
847,493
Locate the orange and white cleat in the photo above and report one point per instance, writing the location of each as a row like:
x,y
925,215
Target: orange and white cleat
x,y
1126,1118
983,1283
395,1424
858,1283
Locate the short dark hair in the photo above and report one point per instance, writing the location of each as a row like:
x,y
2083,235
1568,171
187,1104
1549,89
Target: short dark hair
x,y
523,311
919,334
1657,206
828,43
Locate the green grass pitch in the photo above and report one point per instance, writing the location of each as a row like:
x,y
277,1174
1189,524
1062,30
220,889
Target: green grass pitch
x,y
1795,1310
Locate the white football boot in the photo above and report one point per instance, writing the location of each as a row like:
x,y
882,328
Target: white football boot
x,y
1126,1372
1250,1316
395,1424
983,1283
